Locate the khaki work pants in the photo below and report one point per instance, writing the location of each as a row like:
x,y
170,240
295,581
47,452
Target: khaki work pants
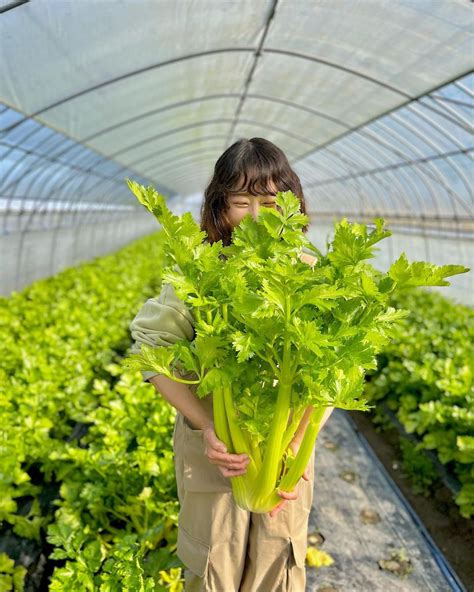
x,y
225,548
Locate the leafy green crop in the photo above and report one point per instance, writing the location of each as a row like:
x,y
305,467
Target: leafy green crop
x,y
426,375
85,447
275,335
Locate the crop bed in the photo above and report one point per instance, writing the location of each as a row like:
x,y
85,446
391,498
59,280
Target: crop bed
x,y
88,494
424,384
87,482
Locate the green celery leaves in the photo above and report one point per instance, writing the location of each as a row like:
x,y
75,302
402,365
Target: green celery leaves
x,y
276,335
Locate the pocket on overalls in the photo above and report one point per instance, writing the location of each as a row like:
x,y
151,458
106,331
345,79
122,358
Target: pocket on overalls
x,y
199,474
299,547
193,552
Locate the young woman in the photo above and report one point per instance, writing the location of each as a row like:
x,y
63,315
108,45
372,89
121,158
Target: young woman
x,y
225,548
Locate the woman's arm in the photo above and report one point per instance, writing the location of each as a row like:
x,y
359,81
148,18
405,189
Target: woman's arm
x,y
183,399
164,321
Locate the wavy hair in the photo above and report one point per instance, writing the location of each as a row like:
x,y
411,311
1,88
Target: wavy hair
x,y
250,166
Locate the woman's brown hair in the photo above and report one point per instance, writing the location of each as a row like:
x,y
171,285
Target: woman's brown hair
x,y
250,166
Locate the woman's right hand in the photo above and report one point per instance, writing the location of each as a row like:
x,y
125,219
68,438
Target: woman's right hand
x,y
230,465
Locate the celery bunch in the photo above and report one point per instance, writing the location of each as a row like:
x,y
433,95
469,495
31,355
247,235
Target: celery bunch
x,y
274,335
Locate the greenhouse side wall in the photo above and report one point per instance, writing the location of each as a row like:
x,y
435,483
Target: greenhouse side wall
x,y
441,251
28,257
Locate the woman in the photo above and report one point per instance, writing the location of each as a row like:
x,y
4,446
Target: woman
x,y
224,547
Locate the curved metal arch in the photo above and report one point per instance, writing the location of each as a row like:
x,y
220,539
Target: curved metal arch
x,y
178,145
196,151
350,178
84,177
82,189
200,54
71,147
207,122
75,212
15,147
96,157
306,57
42,202
221,96
335,177
38,180
462,122
374,138
168,107
108,201
171,172
330,198
409,182
340,153
375,158
464,89
42,157
383,142
9,172
89,170
201,123
172,162
47,171
189,101
279,50
294,54
402,192
454,166
167,149
452,101
412,162
414,99
327,166
436,173
373,184
436,125
42,208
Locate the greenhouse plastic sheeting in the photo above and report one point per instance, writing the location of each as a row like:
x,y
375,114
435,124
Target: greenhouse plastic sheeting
x,y
371,101
91,68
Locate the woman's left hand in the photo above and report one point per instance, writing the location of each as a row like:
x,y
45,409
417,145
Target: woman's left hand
x,y
289,495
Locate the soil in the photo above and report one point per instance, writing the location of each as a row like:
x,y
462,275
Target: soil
x,y
453,534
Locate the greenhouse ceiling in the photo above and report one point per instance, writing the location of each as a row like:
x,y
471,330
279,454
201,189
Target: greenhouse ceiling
x,y
371,101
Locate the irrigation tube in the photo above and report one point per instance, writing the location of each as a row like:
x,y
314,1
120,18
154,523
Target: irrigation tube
x,y
452,578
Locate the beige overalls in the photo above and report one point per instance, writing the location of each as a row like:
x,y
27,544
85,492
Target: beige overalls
x,y
224,548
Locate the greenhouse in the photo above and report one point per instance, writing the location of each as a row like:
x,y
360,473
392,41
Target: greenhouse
x,y
236,248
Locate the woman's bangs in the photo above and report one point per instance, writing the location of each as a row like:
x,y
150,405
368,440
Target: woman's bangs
x,y
255,182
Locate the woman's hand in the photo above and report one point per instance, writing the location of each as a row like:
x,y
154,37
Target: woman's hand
x,y
230,465
290,495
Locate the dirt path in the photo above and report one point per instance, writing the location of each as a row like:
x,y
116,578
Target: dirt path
x,y
368,530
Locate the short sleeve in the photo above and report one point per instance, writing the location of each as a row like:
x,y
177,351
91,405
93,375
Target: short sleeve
x,y
161,321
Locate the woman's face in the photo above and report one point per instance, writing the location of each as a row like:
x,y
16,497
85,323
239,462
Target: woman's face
x,y
241,204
